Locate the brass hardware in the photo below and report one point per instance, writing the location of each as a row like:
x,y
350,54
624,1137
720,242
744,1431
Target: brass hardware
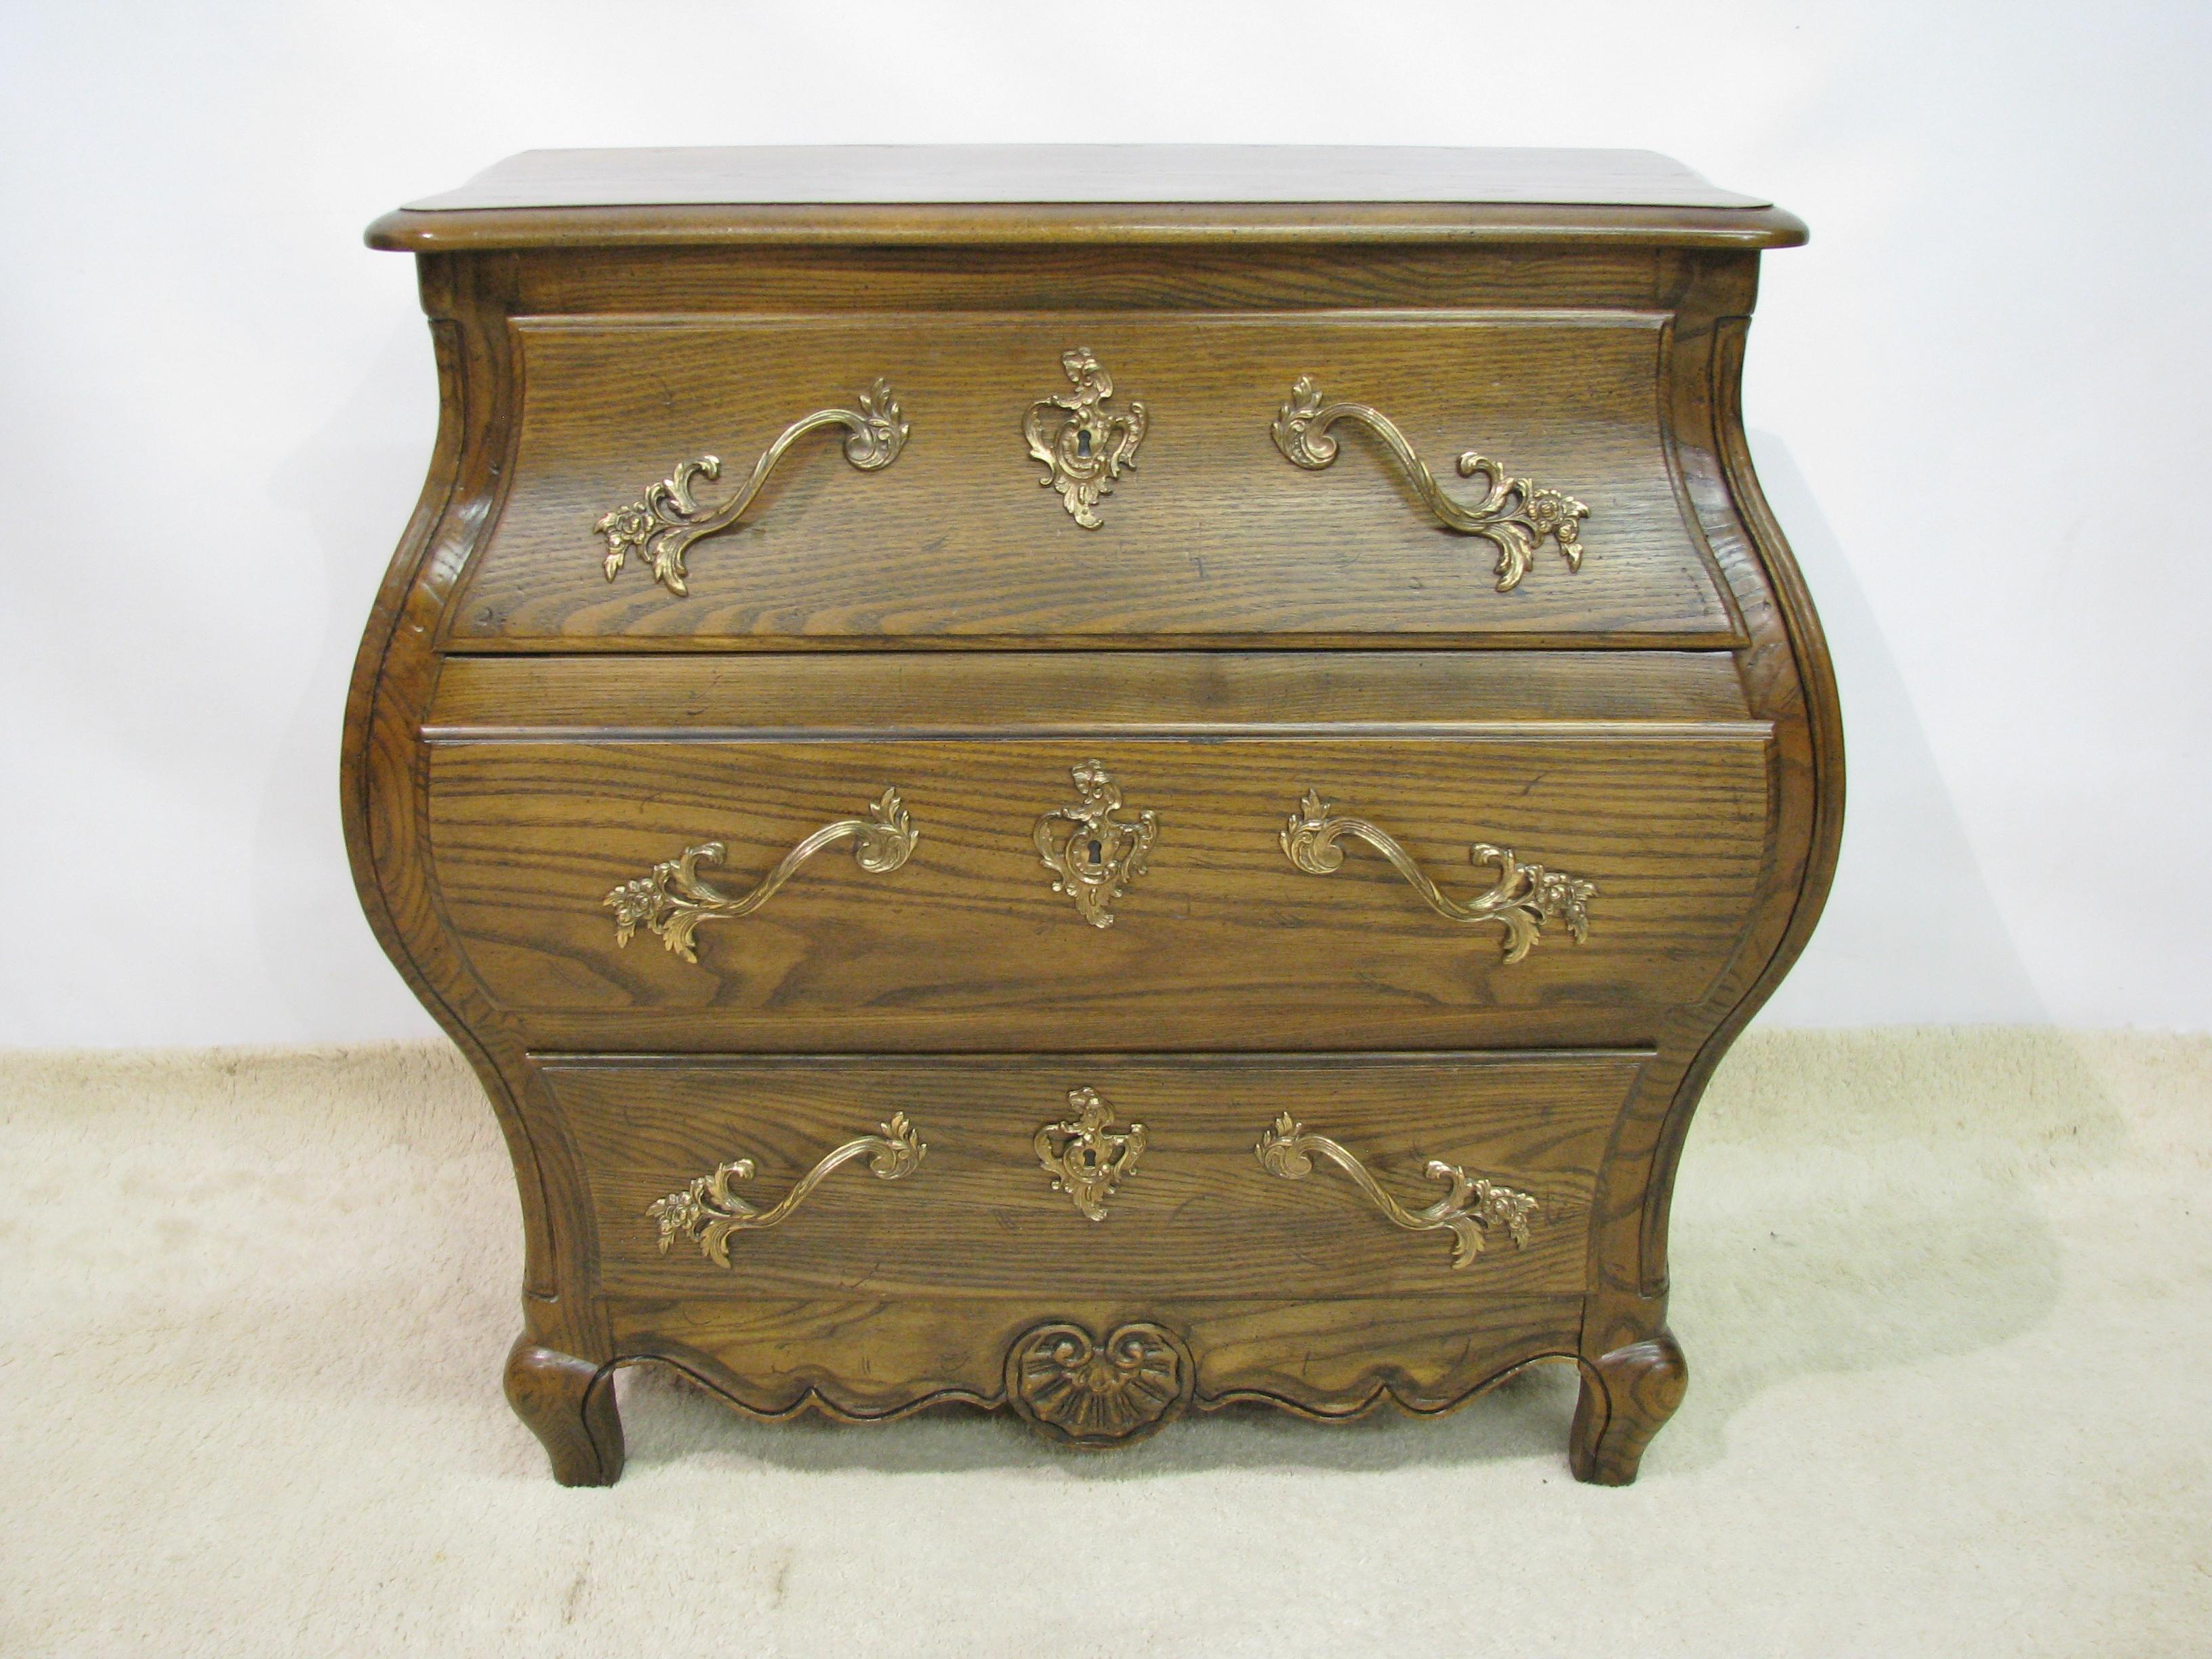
x,y
1098,855
707,1212
673,901
1082,1392
1522,899
1082,445
668,519
1083,1157
1514,515
1471,1209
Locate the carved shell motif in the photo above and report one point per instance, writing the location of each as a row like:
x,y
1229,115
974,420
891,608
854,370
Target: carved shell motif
x,y
1084,1392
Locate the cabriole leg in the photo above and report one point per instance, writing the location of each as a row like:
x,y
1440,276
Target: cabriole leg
x,y
1627,1397
569,1405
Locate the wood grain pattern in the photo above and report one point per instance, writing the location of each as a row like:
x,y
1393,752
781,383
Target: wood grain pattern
x,y
949,195
979,1216
1663,722
1628,1395
1168,227
957,540
862,1359
1331,1362
1047,278
968,946
1079,696
569,1405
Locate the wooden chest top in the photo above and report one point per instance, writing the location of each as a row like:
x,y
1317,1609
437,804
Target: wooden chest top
x,y
1048,193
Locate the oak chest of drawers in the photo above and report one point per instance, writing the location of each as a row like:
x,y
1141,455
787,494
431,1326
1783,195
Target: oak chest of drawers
x,y
1096,781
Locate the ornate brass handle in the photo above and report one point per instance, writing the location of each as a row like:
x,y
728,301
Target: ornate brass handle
x,y
672,901
707,1212
666,519
1084,1156
1524,898
1514,515
1470,1209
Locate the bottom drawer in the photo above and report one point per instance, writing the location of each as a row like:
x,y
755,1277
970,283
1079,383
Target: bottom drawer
x,y
873,1236
1092,1176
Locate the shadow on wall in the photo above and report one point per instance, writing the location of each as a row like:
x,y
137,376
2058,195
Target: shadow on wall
x,y
1852,1202
1911,935
1855,1201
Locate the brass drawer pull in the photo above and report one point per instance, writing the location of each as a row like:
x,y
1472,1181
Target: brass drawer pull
x,y
672,901
1514,515
707,1212
1471,1210
1524,898
1084,1156
666,519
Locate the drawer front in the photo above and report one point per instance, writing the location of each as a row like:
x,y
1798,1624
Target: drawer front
x,y
1169,508
1277,891
1251,1177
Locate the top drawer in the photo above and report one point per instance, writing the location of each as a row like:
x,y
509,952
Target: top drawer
x,y
1211,532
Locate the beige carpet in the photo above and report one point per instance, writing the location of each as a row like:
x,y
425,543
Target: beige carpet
x,y
1945,1296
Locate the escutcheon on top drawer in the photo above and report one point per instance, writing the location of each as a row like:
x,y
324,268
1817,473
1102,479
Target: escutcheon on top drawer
x,y
1424,475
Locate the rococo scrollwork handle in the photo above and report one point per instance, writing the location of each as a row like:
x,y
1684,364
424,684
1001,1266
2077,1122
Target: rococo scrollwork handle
x,y
1524,897
1471,1209
707,1212
1514,515
666,520
673,899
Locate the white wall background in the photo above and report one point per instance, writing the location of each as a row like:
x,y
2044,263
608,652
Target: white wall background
x,y
1978,400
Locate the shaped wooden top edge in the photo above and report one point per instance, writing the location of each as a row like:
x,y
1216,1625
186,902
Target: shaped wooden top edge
x,y
414,230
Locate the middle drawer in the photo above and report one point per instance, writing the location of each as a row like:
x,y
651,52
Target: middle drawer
x,y
1288,885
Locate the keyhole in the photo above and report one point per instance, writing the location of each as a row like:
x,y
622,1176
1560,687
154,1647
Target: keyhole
x,y
1097,853
1083,443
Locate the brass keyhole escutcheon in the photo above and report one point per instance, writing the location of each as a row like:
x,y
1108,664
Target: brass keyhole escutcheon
x,y
1086,1155
1083,445
1091,853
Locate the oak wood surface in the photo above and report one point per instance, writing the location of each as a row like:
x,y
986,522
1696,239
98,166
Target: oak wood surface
x,y
967,945
569,1405
978,1215
1211,532
1077,695
1171,225
1704,786
1043,276
982,195
865,1357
